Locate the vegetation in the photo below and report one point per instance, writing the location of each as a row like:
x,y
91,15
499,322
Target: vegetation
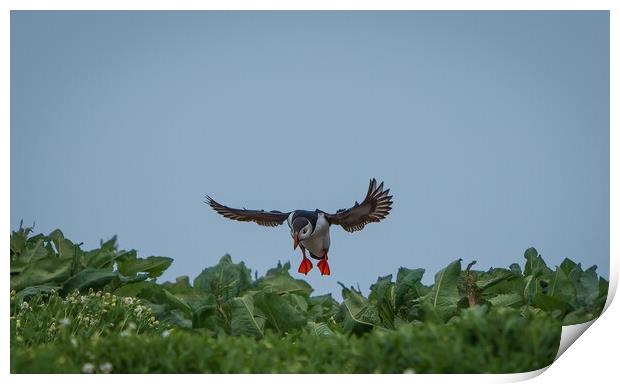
x,y
104,311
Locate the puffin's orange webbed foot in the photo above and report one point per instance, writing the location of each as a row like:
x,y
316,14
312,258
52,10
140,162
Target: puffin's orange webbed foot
x,y
305,266
324,266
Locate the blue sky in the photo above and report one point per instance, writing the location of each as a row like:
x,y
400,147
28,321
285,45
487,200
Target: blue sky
x,y
491,129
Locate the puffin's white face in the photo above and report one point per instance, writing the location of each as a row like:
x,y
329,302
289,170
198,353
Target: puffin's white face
x,y
305,232
301,230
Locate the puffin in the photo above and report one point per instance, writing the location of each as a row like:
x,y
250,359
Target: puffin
x,y
310,229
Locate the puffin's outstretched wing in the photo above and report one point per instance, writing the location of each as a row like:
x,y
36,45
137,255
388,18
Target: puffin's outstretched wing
x,y
375,207
268,219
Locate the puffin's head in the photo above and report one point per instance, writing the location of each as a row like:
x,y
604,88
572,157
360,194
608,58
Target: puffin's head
x,y
301,230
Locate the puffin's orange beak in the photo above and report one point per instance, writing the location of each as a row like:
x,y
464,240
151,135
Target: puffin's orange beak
x,y
295,240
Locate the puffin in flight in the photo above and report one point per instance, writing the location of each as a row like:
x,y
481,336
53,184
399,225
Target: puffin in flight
x,y
310,229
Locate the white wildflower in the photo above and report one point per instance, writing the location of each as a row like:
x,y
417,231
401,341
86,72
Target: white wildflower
x,y
74,342
128,300
24,305
131,325
105,368
64,322
88,368
165,333
124,333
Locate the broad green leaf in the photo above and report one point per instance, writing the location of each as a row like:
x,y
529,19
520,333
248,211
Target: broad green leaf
x,y
47,270
100,259
383,296
88,278
444,294
549,303
356,313
322,308
515,268
26,293
279,313
129,264
283,283
531,288
18,240
204,311
506,300
571,269
588,287
560,287
176,318
407,285
132,289
577,316
493,277
299,302
535,265
158,295
319,329
225,280
245,320
33,252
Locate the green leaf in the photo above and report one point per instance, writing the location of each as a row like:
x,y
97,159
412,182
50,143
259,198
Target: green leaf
x,y
245,319
282,282
88,278
319,329
383,295
577,316
322,308
549,303
204,312
18,240
506,300
132,289
561,287
535,265
33,252
493,277
100,259
588,287
357,315
444,294
280,314
571,269
407,285
28,292
158,295
225,280
129,264
47,270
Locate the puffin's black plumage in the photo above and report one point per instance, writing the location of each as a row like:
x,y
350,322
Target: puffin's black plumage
x,y
309,216
310,229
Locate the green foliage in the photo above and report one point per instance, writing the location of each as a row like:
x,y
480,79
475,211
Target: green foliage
x,y
53,260
500,320
496,340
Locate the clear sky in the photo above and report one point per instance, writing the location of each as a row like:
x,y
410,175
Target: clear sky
x,y
491,129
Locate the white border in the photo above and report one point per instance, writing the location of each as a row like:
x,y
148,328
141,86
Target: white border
x,y
596,355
